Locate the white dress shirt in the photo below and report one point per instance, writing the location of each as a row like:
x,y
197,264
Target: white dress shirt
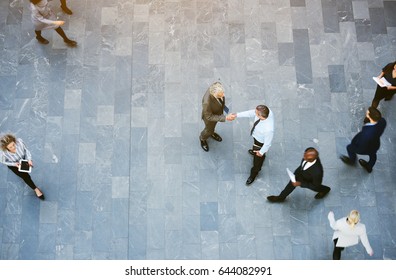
x,y
347,235
264,130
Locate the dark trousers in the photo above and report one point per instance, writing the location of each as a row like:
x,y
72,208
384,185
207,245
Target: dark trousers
x,y
381,93
257,161
352,151
25,177
208,130
289,188
337,250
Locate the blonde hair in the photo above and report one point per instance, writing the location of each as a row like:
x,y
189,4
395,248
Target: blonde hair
x,y
7,140
216,88
353,218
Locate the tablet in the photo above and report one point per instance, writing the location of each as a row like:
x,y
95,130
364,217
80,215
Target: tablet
x,y
24,166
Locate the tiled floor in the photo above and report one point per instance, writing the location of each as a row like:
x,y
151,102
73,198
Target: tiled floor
x,y
113,127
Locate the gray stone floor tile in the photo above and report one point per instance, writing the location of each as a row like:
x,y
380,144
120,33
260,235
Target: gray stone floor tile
x,y
113,127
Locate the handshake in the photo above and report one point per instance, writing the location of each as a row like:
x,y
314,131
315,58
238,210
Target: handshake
x,y
231,117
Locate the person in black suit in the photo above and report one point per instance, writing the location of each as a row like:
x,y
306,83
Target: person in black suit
x,y
213,103
367,141
308,175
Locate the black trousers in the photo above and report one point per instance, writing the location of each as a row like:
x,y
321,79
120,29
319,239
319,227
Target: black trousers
x,y
381,93
352,151
257,161
289,188
337,250
25,177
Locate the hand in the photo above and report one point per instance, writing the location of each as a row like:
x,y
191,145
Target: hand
x,y
371,253
30,163
296,184
17,164
258,153
231,117
389,87
59,22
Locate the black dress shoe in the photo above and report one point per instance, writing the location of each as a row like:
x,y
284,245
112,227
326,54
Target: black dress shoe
x,y
275,198
42,197
320,195
217,137
250,180
365,165
205,146
66,10
346,160
252,152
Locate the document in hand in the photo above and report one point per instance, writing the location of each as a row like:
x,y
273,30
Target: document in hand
x,y
382,82
291,175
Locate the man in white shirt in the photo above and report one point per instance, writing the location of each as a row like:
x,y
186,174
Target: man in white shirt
x,y
262,132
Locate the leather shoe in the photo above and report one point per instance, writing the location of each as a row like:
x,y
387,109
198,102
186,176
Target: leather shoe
x,y
320,195
346,160
205,146
275,198
365,165
70,43
66,10
250,180
42,197
216,137
251,152
42,40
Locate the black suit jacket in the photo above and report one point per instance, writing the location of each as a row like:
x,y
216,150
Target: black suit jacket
x,y
212,109
311,177
368,140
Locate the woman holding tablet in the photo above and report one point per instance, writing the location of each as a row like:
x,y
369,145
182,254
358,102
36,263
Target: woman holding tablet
x,y
382,91
14,152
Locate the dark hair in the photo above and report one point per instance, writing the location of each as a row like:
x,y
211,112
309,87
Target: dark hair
x,y
263,111
374,114
34,2
389,67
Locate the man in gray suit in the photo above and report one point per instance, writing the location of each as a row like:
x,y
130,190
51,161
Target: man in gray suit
x,y
213,103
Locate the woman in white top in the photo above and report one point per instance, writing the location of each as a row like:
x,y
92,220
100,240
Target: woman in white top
x,y
13,151
43,18
348,230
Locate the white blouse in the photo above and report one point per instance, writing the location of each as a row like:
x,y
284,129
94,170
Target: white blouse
x,y
347,235
11,159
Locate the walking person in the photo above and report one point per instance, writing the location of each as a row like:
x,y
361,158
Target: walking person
x,y
43,18
309,174
347,232
262,133
367,141
386,92
213,104
13,151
